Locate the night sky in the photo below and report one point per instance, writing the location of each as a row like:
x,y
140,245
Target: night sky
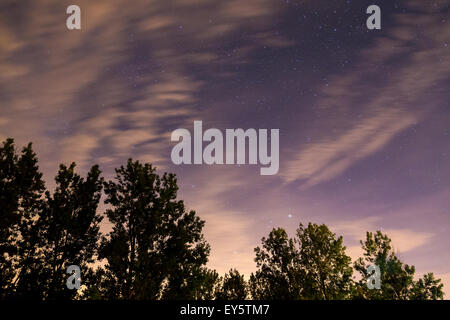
x,y
364,115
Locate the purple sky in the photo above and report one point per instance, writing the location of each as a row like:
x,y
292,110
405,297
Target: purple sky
x,y
364,116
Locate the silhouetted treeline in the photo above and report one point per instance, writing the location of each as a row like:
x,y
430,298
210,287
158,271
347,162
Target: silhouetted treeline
x,y
156,249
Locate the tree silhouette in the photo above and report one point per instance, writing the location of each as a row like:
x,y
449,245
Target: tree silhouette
x,y
21,188
66,232
427,288
156,249
232,286
397,278
279,274
327,267
313,265
206,284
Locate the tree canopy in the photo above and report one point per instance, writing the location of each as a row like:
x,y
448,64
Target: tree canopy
x,y
156,248
396,279
313,265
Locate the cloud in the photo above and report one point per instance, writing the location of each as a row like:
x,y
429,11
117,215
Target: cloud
x,y
325,160
387,105
139,69
121,84
118,87
403,239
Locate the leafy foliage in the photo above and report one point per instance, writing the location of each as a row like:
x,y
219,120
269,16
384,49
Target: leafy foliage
x,y
156,248
232,287
279,275
21,187
327,268
311,266
397,278
65,232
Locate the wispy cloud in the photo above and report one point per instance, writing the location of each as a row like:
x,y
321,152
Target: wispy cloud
x,y
325,160
69,97
403,239
387,106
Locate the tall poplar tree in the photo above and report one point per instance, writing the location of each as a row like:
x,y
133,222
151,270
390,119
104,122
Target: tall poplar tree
x,y
156,249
